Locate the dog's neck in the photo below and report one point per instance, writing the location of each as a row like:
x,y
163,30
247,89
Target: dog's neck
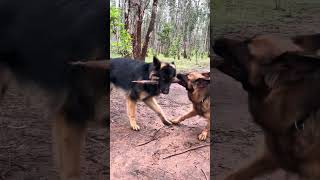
x,y
199,95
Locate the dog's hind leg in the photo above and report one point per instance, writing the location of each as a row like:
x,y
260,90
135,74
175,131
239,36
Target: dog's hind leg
x,y
262,165
131,110
69,139
152,104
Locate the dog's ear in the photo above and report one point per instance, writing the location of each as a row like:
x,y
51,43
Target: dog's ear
x,y
91,64
206,75
173,64
310,43
156,63
290,67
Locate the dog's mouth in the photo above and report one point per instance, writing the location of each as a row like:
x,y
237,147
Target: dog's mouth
x,y
164,91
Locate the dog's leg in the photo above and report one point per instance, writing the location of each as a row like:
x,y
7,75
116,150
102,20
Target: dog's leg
x,y
190,114
262,165
131,109
204,134
69,139
152,104
5,78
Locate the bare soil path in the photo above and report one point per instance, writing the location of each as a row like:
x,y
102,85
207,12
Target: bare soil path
x,y
26,145
132,159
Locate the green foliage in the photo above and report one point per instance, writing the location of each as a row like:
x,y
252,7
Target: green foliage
x,y
122,44
174,50
164,38
151,52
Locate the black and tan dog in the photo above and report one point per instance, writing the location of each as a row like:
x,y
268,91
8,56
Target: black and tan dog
x,y
124,71
282,78
39,40
197,86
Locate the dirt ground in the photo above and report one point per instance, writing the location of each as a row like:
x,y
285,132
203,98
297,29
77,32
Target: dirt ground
x,y
26,144
236,137
132,159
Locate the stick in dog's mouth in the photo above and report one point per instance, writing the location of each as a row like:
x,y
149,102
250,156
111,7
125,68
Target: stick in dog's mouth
x,y
175,80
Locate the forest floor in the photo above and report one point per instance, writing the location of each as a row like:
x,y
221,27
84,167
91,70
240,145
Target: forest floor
x,y
236,138
142,154
26,151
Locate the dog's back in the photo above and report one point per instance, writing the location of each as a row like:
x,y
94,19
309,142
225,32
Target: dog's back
x,y
38,38
124,71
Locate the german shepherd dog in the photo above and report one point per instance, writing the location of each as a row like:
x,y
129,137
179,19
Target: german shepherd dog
x,y
197,86
39,40
124,71
282,78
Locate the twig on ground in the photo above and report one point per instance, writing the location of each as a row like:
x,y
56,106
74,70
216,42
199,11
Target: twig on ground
x,y
204,174
191,149
152,138
17,127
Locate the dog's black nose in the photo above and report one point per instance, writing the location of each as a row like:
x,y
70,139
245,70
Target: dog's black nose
x,y
165,91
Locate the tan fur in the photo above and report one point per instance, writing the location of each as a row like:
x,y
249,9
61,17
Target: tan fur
x,y
267,47
201,104
282,91
131,109
69,139
152,104
167,64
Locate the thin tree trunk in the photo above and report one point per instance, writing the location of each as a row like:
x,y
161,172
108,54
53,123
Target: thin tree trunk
x,y
137,34
150,29
126,14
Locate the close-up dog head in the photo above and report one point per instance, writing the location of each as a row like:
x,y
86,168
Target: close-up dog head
x,y
194,81
263,60
165,73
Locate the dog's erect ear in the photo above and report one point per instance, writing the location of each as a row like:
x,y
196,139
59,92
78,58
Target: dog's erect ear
x,y
206,75
92,64
290,67
156,63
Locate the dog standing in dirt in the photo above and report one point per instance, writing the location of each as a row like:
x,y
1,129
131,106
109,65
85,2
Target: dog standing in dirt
x,y
197,85
282,78
124,71
39,40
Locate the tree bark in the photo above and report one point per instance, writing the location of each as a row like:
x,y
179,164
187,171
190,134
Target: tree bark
x,y
150,29
136,38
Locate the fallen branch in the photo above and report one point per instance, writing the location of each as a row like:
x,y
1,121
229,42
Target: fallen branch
x,y
17,127
191,149
204,174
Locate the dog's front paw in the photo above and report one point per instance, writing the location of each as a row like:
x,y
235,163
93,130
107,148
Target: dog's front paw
x,y
203,136
175,121
166,122
135,127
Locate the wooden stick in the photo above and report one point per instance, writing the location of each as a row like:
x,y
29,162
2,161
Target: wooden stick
x,y
191,149
204,174
145,82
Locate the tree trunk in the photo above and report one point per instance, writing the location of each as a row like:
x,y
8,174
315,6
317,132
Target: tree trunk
x,y
150,29
136,45
126,14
